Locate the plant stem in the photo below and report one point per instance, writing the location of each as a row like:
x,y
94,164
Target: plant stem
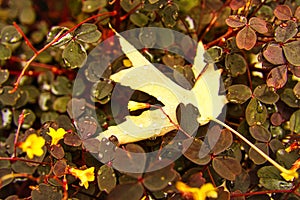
x,y
279,167
58,37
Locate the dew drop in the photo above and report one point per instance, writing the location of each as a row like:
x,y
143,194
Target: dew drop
x,y
100,155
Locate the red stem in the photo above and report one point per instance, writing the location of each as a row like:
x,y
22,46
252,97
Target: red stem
x,y
25,37
16,84
24,160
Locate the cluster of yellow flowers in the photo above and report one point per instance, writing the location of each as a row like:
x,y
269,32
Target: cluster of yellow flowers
x,y
33,146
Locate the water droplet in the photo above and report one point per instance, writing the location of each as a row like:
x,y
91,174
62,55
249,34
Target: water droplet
x,y
179,143
260,107
100,155
159,158
107,143
141,125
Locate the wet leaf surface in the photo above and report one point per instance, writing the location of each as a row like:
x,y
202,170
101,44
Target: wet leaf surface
x,y
265,94
238,93
236,64
74,55
106,178
256,112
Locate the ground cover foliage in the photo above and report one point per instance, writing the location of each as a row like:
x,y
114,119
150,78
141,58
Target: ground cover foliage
x,y
43,44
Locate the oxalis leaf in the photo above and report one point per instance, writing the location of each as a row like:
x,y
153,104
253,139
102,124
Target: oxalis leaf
x,y
291,51
74,55
246,38
204,96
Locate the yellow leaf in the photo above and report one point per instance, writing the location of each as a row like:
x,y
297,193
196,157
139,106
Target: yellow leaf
x,y
145,77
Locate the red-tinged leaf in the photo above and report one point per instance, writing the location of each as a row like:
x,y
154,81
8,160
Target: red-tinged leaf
x,y
196,151
256,157
297,13
274,54
227,168
218,139
131,159
236,21
277,77
57,151
59,168
295,70
258,24
283,12
236,4
246,38
260,133
72,139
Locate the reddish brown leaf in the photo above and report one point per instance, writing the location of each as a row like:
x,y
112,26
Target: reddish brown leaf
x,y
258,24
236,21
274,54
283,12
246,38
297,13
236,4
256,157
277,77
227,168
59,168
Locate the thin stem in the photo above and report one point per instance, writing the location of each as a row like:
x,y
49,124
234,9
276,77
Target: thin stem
x,y
23,160
171,121
58,37
25,37
279,167
260,192
222,37
20,122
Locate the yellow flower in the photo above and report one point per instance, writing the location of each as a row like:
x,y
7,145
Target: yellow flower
x,y
292,173
84,175
206,190
56,135
33,145
132,105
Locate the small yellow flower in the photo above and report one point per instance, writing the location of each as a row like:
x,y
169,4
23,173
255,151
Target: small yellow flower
x,y
33,145
127,63
206,190
84,175
292,173
56,135
132,105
